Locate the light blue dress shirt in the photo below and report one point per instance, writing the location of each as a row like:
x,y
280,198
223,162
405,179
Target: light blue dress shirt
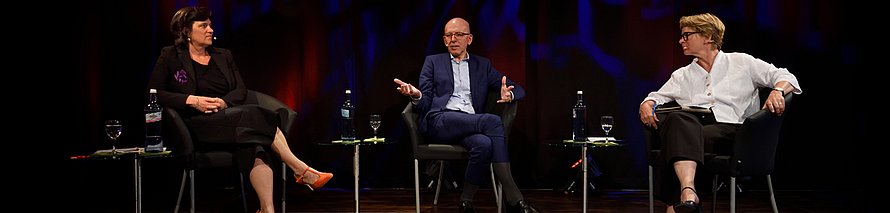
x,y
460,99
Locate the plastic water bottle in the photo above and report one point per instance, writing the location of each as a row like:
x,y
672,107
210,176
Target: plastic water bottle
x,y
579,119
347,114
153,140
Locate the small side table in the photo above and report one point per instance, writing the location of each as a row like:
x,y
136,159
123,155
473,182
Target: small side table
x,y
355,157
137,154
592,143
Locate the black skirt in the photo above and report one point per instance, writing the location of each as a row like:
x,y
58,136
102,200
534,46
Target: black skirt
x,y
247,130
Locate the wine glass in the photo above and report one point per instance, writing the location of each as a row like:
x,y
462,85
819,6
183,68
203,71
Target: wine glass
x,y
113,129
375,123
606,121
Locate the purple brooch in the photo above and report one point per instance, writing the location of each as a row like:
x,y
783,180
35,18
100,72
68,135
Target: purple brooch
x,y
181,77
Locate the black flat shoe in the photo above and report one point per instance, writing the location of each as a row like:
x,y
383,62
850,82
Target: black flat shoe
x,y
688,206
466,207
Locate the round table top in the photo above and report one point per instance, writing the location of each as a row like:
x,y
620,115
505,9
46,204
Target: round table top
x,y
366,141
124,153
610,142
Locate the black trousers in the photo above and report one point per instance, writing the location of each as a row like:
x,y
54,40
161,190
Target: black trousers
x,y
686,136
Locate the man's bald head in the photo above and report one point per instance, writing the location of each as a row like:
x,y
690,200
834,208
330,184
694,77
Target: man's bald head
x,y
458,23
457,37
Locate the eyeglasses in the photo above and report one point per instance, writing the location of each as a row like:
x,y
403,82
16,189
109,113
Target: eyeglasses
x,y
685,35
456,34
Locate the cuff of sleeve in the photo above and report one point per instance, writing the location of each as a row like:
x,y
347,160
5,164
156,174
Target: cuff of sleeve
x,y
654,102
415,100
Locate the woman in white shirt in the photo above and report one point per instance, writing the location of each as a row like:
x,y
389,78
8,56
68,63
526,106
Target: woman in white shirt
x,y
725,83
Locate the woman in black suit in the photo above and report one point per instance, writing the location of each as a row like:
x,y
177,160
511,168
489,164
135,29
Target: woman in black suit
x,y
204,85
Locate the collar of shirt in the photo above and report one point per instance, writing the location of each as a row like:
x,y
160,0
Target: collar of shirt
x,y
465,59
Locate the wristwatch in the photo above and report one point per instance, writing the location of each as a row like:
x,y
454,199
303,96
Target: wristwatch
x,y
782,90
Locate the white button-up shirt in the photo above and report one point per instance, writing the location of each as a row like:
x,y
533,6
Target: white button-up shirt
x,y
730,90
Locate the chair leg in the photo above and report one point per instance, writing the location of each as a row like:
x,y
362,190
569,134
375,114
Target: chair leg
x,y
283,187
501,195
439,182
714,188
243,195
732,194
496,187
181,188
192,189
191,176
651,193
416,186
772,194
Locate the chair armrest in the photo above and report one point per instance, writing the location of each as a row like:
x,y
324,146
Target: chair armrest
x,y
507,111
756,141
410,118
508,115
176,133
287,115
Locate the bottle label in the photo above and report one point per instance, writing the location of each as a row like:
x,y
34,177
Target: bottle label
x,y
345,113
152,117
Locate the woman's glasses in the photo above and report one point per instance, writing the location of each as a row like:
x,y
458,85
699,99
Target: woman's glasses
x,y
685,35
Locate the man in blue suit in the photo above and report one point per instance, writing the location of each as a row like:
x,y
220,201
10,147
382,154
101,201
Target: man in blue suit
x,y
451,99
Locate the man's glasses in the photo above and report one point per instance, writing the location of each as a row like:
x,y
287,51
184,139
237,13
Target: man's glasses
x,y
685,35
453,35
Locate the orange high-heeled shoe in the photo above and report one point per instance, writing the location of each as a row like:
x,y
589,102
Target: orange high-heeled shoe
x,y
323,178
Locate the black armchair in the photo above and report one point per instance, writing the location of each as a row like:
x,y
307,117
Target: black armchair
x,y
180,139
753,154
443,152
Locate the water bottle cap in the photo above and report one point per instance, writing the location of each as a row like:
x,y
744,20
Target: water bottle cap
x,y
580,92
348,92
152,91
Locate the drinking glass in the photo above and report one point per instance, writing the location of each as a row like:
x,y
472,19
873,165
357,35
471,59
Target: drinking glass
x,y
375,123
113,129
607,121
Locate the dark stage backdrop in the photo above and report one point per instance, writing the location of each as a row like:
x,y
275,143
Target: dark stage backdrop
x,y
306,53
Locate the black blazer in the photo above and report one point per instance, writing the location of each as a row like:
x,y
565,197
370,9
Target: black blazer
x,y
437,84
174,78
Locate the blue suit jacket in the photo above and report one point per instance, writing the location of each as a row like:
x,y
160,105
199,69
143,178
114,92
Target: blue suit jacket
x,y
437,84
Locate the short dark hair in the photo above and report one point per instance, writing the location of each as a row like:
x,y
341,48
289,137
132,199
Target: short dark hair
x,y
181,25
